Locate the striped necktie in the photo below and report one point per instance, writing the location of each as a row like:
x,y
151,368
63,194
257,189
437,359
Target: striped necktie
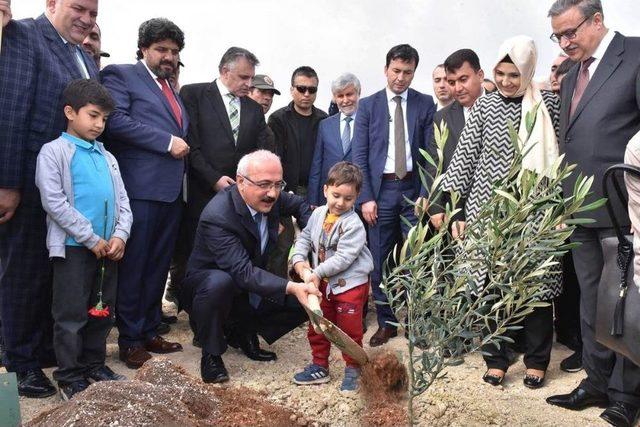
x,y
234,116
346,134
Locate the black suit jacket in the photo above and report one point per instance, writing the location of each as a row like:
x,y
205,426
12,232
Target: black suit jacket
x,y
608,115
214,152
453,117
227,239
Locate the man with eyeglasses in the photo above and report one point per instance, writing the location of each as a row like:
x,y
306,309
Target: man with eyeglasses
x,y
600,113
226,276
295,128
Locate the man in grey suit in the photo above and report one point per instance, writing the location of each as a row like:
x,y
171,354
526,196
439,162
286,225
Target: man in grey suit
x,y
600,113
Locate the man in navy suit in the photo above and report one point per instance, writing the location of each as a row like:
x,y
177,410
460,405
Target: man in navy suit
x,y
39,58
391,127
226,276
145,133
335,133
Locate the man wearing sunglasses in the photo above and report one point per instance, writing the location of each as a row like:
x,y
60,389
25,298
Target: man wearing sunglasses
x,y
226,277
295,128
599,115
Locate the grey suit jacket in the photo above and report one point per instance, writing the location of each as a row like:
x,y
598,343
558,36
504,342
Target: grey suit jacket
x,y
606,118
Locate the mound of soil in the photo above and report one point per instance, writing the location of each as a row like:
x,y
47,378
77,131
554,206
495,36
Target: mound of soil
x,y
163,393
384,382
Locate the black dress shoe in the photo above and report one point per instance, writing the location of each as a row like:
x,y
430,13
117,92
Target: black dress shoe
x,y
578,399
212,369
163,329
250,346
533,381
104,373
572,363
34,383
620,414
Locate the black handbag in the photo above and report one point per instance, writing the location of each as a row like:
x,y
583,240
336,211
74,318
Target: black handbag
x,y
618,308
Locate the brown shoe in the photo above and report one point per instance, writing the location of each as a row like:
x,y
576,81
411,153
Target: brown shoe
x,y
134,357
158,344
382,335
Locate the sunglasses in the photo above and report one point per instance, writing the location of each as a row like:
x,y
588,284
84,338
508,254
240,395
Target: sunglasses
x,y
310,89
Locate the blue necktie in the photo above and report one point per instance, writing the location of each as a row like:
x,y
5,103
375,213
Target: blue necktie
x,y
255,299
346,134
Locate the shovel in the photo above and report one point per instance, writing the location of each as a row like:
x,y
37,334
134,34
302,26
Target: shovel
x,y
332,332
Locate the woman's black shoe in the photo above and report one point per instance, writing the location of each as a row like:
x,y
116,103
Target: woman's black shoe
x,y
494,380
533,381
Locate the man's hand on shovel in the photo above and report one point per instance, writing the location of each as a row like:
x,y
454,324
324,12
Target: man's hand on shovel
x,y
302,291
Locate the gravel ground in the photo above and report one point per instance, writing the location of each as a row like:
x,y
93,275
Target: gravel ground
x,y
459,399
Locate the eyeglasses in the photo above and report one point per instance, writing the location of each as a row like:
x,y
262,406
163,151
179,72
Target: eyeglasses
x,y
310,89
569,34
267,186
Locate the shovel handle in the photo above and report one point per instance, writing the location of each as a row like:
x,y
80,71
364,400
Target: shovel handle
x,y
314,303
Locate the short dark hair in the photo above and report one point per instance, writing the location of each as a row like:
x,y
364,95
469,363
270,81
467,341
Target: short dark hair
x,y
345,173
564,67
457,59
158,29
305,71
588,8
403,52
234,53
82,92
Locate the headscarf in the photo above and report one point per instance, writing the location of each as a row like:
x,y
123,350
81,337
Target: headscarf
x,y
542,143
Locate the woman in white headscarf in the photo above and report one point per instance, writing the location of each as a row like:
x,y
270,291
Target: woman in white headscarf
x,y
483,155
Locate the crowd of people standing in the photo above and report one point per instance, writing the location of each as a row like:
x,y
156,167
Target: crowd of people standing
x,y
196,181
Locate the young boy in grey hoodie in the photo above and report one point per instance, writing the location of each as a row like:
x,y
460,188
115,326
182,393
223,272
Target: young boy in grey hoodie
x,y
335,240
88,224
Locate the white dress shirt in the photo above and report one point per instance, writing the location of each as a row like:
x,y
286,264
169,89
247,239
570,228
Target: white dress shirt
x,y
79,59
599,53
262,231
467,110
155,80
390,164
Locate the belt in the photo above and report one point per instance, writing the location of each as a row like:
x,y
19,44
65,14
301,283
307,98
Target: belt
x,y
394,177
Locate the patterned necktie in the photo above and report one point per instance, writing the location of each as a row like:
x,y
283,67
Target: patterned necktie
x,y
77,56
581,84
346,134
399,140
234,116
168,93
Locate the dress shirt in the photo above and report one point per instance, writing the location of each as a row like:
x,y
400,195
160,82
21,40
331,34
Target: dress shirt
x,y
79,59
390,164
343,123
599,53
262,231
467,110
155,80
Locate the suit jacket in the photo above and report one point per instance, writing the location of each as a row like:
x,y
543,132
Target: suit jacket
x,y
453,117
371,138
327,152
139,130
286,143
228,239
606,118
35,67
214,152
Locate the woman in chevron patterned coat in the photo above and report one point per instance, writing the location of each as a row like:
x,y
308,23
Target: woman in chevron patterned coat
x,y
483,155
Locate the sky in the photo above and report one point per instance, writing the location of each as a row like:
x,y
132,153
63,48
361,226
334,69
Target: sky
x,y
335,36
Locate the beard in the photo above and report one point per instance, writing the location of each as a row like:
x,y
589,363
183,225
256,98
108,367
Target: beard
x,y
163,73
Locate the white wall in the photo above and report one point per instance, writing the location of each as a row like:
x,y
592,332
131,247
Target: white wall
x,y
335,36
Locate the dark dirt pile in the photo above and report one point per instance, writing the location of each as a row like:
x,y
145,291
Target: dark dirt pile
x,y
164,394
384,382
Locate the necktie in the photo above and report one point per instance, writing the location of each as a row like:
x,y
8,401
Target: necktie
x,y
234,116
399,140
168,93
262,232
346,134
77,56
581,84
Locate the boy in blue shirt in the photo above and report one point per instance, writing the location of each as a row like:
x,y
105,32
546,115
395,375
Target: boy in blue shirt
x,y
88,224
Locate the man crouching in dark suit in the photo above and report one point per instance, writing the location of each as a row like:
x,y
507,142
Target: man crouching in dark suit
x,y
225,274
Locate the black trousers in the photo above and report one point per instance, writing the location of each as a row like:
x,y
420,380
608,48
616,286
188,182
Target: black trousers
x,y
212,298
79,339
607,372
567,307
537,337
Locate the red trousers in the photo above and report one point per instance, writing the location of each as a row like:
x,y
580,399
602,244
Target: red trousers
x,y
345,311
